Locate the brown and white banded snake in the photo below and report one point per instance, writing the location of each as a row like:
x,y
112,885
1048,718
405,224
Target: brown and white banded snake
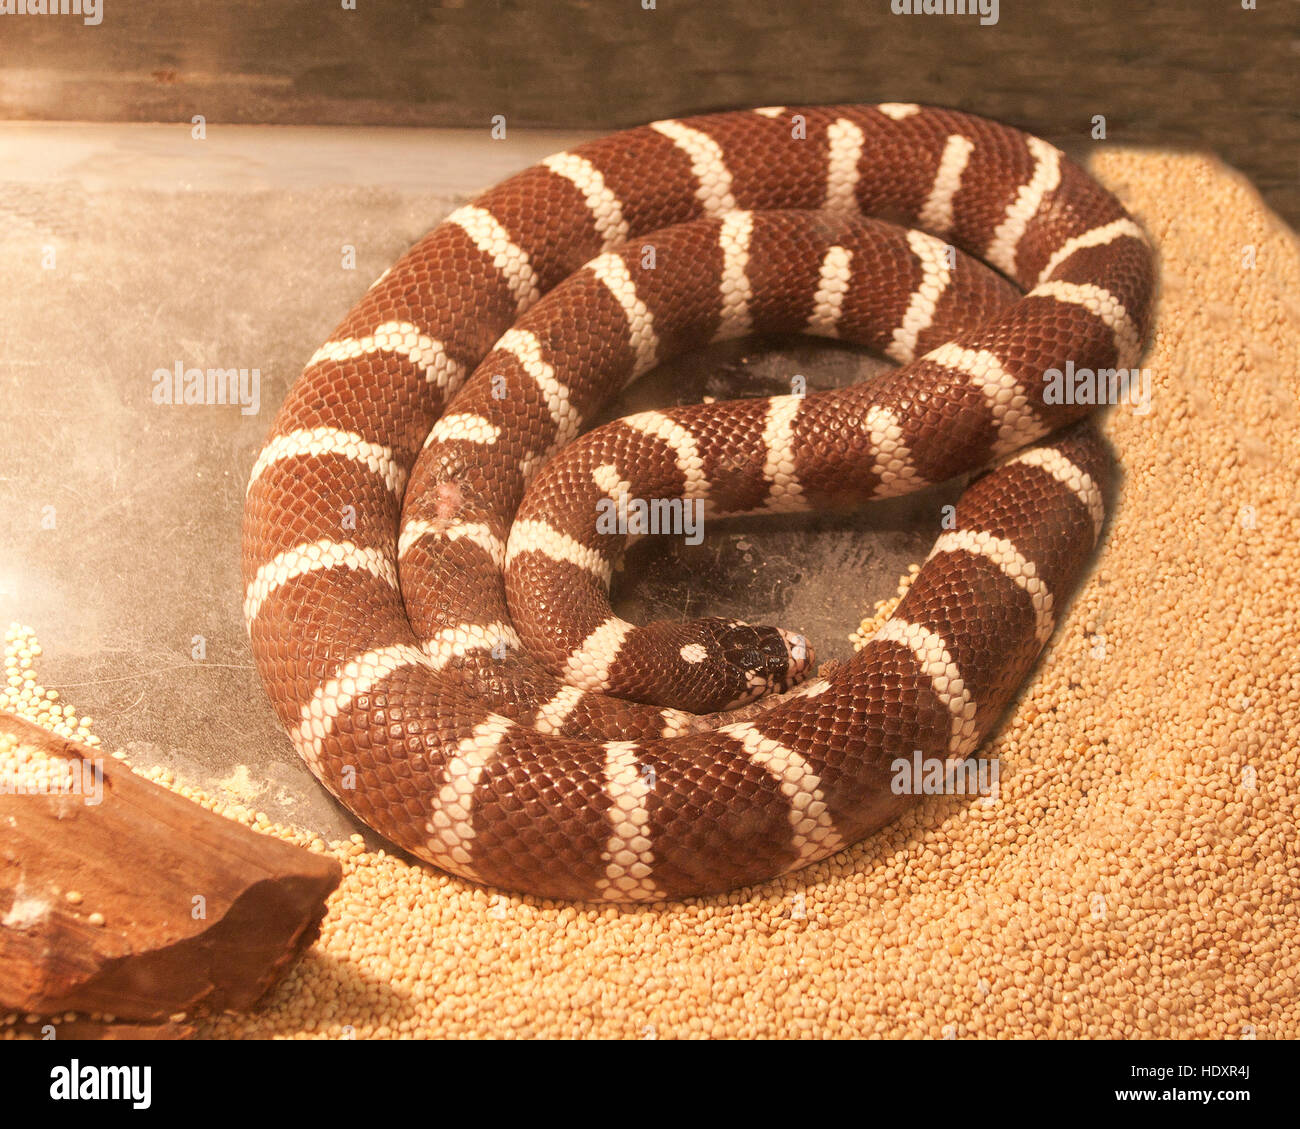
x,y
414,653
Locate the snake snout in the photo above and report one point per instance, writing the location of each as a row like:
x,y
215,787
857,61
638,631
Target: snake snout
x,y
764,660
798,657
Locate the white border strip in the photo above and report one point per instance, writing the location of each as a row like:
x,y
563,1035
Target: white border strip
x,y
316,556
612,273
813,833
451,816
712,177
1078,482
627,855
1013,564
937,663
932,254
478,532
403,339
533,536
936,212
1046,176
376,457
487,234
606,211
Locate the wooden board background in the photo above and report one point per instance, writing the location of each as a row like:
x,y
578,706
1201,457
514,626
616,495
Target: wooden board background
x,y
1201,73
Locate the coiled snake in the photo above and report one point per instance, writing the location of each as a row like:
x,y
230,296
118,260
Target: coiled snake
x,y
415,448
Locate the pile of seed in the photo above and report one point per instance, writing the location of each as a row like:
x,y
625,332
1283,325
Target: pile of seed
x,y
23,769
28,771
21,694
883,609
1135,872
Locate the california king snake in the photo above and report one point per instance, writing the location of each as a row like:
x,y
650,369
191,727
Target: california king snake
x,y
403,452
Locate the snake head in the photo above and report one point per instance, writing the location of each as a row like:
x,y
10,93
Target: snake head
x,y
761,660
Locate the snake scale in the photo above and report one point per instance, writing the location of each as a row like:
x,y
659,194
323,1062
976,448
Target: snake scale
x,y
426,580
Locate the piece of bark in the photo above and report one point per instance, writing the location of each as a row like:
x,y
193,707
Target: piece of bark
x,y
198,912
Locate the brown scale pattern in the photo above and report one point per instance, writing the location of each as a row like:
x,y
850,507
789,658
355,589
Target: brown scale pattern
x,y
556,604
306,480
1133,281
748,147
420,755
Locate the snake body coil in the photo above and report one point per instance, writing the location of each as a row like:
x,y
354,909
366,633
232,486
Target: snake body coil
x,y
426,592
